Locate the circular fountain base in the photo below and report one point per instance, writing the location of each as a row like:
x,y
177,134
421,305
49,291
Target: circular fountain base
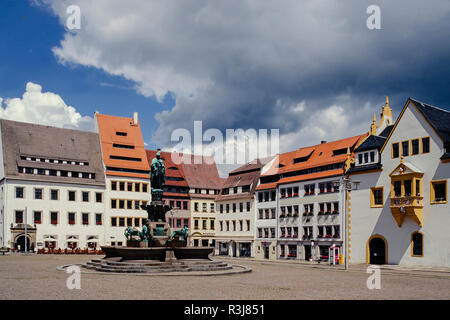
x,y
146,266
157,253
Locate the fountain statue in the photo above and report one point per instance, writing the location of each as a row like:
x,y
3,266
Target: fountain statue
x,y
156,241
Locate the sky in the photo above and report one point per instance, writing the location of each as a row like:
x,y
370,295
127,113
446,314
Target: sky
x,y
311,69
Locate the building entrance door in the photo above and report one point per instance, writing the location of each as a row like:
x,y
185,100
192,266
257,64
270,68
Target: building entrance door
x,y
20,243
307,253
233,247
266,252
377,250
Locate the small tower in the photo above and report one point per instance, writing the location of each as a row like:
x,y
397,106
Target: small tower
x,y
386,117
373,126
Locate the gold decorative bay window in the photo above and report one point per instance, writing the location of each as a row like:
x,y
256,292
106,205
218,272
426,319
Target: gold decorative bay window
x,y
406,193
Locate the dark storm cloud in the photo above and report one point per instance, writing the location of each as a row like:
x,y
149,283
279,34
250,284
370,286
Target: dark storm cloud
x,y
250,64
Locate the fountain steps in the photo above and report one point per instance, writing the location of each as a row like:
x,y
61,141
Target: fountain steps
x,y
155,267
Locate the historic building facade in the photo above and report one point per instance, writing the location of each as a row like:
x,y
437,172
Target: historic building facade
x,y
204,186
400,211
236,211
52,181
127,174
303,188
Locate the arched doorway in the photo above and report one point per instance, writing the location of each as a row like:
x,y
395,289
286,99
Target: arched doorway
x,y
377,250
20,243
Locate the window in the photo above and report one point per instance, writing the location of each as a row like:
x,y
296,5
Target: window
x,y
398,188
38,193
19,192
121,204
203,224
211,207
196,224
366,157
234,207
113,222
37,217
85,196
186,223
129,222
98,197
119,133
248,206
405,148
248,225
376,197
121,222
137,187
144,187
426,145
185,205
407,186
395,150
113,203
360,158
438,191
129,186
372,156
71,217
415,146
54,217
19,216
417,244
130,204
241,207
71,195
98,219
122,186
204,206
54,194
137,222
196,206
113,185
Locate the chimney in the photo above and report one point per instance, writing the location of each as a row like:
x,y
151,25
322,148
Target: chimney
x,y
135,118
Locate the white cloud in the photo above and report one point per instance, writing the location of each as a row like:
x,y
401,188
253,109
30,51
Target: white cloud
x,y
45,108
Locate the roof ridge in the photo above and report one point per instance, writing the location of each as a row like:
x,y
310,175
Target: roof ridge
x,y
429,105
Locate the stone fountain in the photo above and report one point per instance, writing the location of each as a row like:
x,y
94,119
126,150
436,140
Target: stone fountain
x,y
156,247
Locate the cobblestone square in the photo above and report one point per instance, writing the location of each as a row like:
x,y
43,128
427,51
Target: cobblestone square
x,y
36,277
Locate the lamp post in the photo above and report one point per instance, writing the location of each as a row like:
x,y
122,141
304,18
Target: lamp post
x,y
345,185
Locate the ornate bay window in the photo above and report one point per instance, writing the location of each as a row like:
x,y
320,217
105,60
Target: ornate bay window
x,y
406,193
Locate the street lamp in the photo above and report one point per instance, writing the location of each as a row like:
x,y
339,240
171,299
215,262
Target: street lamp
x,y
344,185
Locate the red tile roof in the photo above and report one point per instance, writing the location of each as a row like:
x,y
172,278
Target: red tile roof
x,y
201,172
108,127
318,155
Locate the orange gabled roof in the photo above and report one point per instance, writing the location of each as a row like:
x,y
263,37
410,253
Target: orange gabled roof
x,y
319,155
128,158
266,186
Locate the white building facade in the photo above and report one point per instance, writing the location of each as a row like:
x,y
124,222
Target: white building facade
x,y
400,212
52,188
